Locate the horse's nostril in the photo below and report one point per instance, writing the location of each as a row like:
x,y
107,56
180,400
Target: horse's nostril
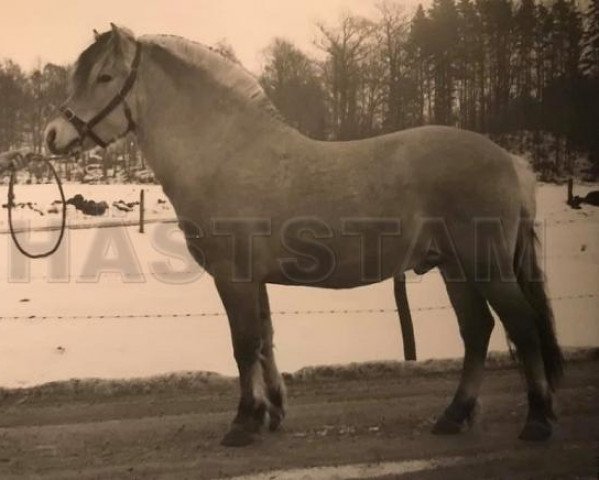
x,y
51,139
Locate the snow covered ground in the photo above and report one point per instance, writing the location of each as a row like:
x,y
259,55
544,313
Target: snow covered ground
x,y
162,314
43,196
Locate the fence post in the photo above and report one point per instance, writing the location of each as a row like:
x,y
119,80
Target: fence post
x,y
570,191
142,198
405,317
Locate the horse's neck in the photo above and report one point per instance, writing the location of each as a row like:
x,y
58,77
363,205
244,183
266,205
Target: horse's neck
x,y
189,128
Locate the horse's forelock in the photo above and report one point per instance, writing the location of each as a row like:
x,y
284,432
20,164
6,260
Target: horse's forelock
x,y
88,59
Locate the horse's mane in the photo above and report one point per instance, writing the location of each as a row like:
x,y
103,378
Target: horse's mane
x,y
191,55
222,70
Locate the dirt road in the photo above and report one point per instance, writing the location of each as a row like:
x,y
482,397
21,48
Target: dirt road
x,y
378,415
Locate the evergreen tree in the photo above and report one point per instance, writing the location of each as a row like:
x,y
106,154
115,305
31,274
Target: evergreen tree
x,y
497,23
590,44
588,94
418,50
444,37
469,63
392,31
524,28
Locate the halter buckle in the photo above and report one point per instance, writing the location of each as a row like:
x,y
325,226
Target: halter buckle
x,y
68,113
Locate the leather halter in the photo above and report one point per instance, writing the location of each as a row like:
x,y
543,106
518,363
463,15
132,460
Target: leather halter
x,y
86,129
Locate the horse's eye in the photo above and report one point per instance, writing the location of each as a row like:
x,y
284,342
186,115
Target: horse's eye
x,y
104,78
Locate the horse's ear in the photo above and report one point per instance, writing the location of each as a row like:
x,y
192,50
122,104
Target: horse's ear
x,y
96,34
122,33
124,40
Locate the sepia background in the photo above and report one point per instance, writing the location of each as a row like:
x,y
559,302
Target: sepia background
x,y
525,73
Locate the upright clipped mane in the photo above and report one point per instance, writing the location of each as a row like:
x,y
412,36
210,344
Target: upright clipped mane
x,y
88,59
221,69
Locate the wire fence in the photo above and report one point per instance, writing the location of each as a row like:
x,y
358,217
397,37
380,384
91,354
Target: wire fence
x,y
292,312
73,224
547,222
199,272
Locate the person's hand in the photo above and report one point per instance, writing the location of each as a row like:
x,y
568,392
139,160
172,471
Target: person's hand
x,y
14,159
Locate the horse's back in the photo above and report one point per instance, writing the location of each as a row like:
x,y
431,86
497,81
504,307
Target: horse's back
x,y
449,171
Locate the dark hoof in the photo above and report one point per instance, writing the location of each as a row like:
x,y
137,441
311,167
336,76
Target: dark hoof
x,y
238,437
457,418
447,426
536,431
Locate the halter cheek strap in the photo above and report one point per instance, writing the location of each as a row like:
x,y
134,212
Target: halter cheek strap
x,y
86,129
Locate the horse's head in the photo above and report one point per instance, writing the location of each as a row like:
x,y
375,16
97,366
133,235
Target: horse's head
x,y
97,111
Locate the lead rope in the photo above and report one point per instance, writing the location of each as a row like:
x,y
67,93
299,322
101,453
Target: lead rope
x,y
11,198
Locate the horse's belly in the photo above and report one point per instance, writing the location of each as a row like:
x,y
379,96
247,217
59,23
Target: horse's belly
x,y
341,264
339,259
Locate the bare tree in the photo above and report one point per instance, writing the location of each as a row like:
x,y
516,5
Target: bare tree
x,y
292,82
347,47
12,101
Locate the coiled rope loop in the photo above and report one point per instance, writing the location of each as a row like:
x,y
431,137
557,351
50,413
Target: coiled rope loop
x,y
19,160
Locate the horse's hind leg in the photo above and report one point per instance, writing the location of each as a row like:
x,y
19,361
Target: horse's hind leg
x,y
243,306
275,387
520,321
476,324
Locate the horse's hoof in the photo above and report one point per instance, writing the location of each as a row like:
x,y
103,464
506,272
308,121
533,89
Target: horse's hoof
x,y
447,426
457,418
238,437
536,431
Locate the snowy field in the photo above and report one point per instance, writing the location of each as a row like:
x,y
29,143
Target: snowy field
x,y
43,208
59,320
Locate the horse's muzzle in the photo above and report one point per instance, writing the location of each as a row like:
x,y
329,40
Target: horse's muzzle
x,y
53,142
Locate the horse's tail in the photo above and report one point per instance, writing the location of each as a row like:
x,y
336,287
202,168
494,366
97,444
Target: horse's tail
x,y
532,282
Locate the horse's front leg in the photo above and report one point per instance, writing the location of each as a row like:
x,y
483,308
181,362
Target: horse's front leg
x,y
242,302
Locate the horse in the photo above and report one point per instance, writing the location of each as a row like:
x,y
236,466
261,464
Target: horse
x,y
259,203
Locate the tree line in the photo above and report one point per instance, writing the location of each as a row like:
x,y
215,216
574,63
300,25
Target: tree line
x,y
525,73
26,102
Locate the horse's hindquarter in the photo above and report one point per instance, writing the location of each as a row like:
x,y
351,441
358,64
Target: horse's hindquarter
x,y
470,185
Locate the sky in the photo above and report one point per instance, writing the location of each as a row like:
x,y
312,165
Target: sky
x,y
33,32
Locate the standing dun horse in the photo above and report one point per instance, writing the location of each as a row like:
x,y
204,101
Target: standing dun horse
x,y
260,203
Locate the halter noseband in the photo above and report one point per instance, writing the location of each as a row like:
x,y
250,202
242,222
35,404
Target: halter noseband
x,y
86,129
